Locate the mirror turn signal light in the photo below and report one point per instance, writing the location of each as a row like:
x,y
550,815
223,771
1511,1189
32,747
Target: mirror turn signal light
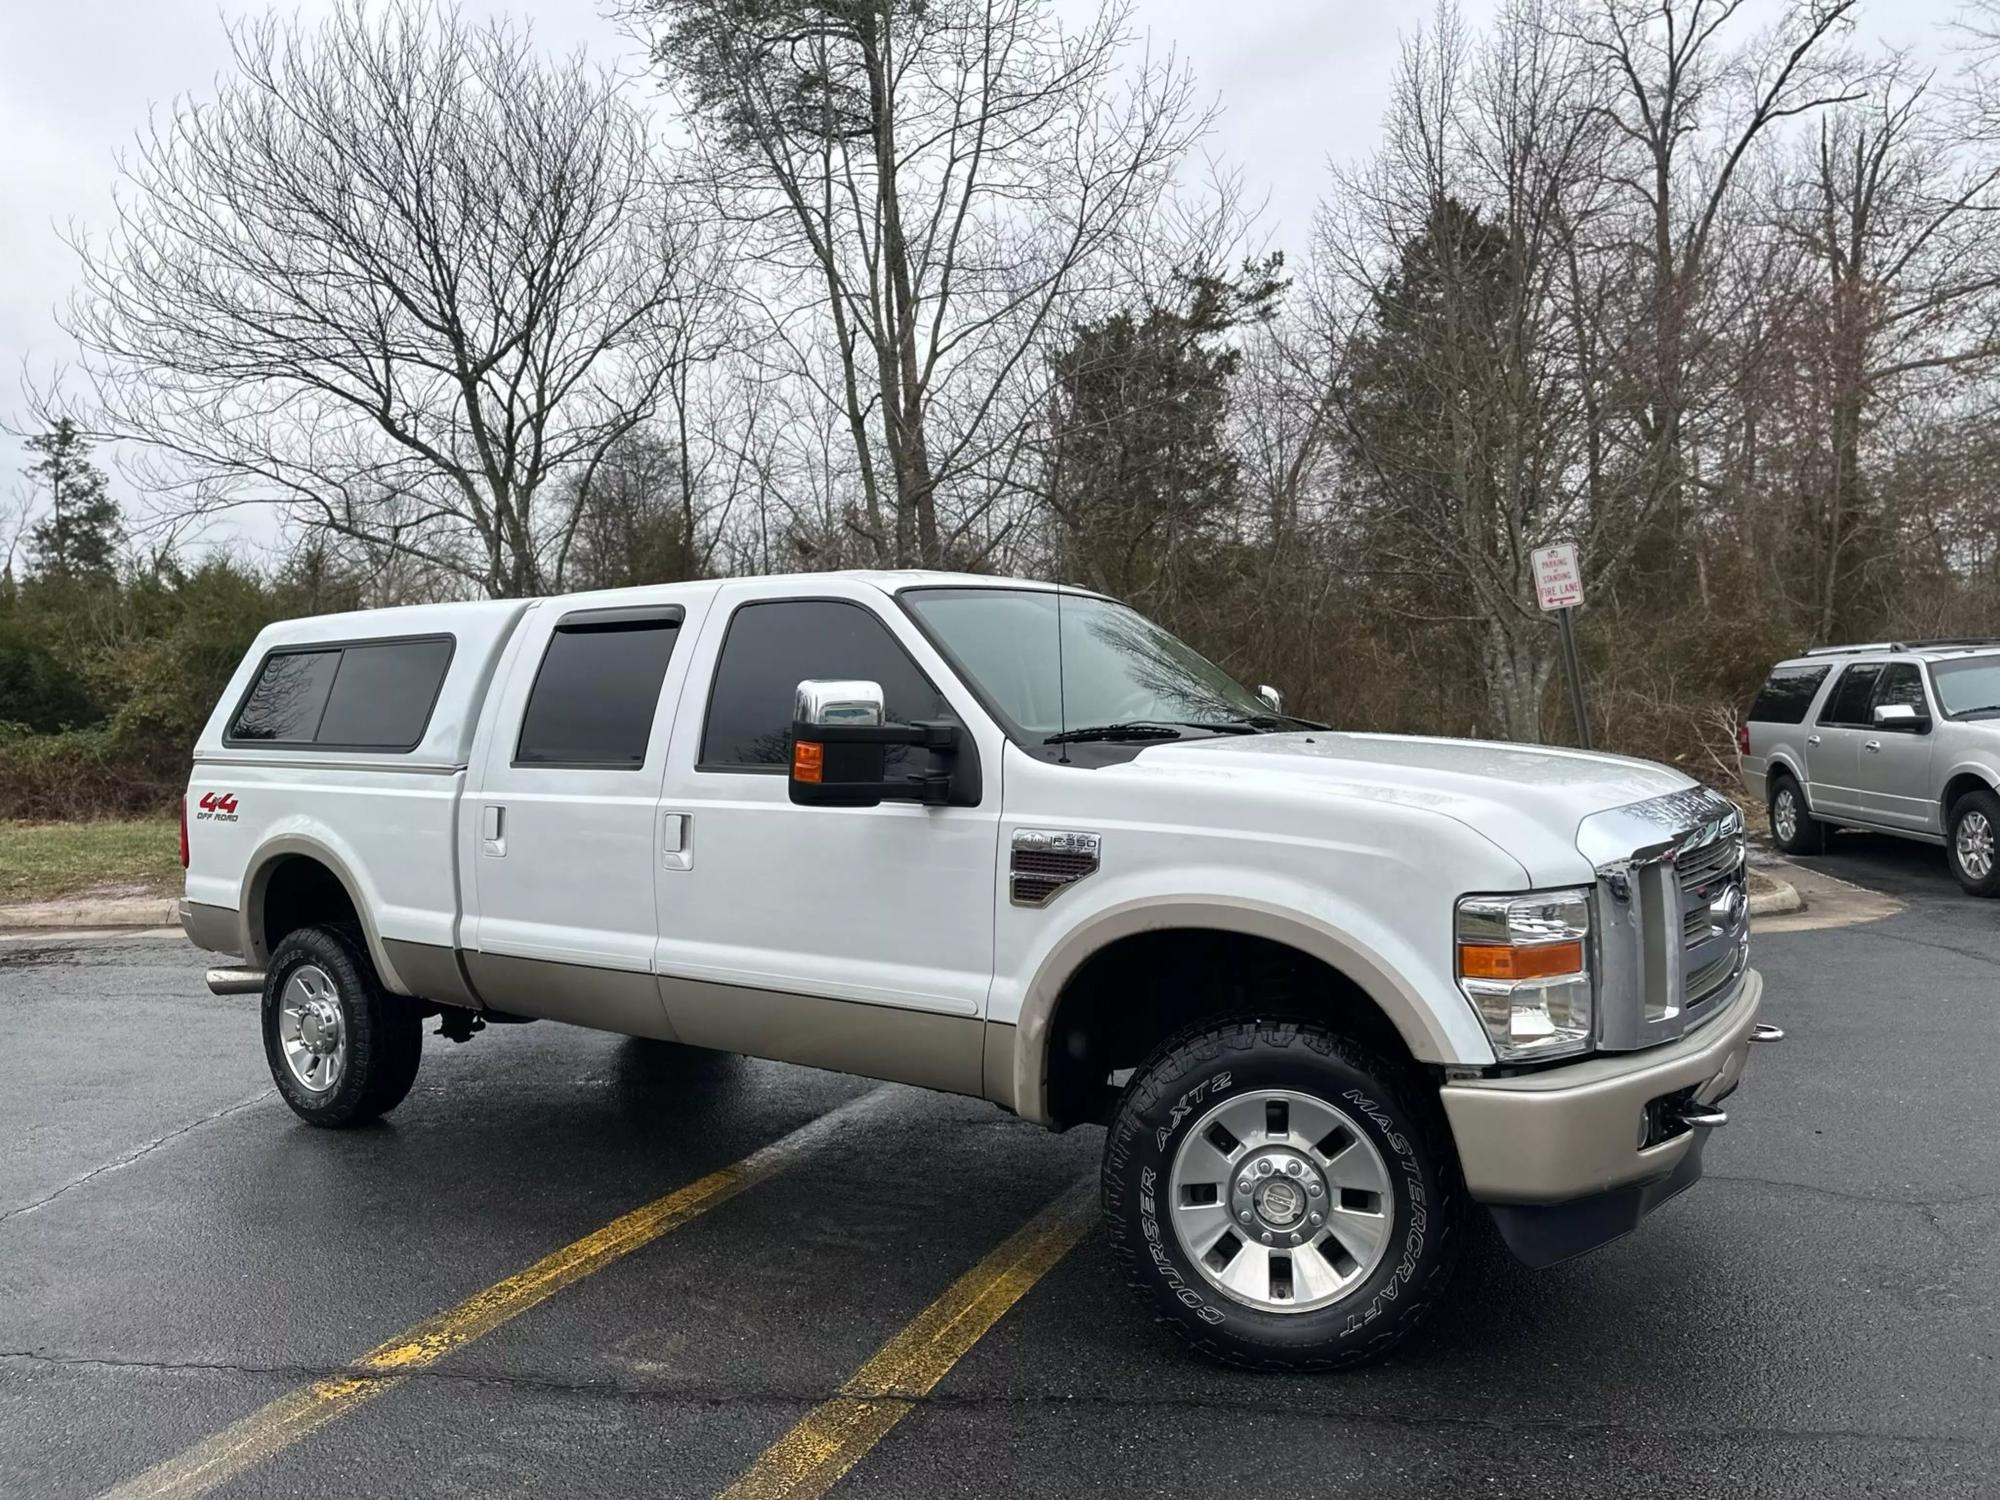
x,y
1534,961
808,760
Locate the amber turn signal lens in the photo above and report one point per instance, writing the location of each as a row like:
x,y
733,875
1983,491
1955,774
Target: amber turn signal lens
x,y
808,760
1541,961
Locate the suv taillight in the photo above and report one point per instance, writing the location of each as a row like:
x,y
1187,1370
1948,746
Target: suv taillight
x,y
1742,739
184,833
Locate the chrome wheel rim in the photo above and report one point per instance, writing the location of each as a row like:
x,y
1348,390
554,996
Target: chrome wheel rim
x,y
1973,844
1785,815
1280,1201
312,1029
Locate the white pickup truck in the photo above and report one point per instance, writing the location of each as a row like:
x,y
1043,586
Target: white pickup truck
x,y
1326,990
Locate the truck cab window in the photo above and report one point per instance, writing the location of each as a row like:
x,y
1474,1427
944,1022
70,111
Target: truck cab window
x,y
593,699
772,647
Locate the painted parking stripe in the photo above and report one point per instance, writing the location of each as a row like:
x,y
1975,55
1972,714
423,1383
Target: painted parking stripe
x,y
298,1414
832,1438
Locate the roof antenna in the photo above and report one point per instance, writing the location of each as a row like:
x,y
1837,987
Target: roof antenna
x,y
1062,700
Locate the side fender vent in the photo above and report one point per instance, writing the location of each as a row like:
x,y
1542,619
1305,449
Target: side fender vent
x,y
1046,861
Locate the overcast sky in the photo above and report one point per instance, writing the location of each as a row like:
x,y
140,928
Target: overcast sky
x,y
1300,82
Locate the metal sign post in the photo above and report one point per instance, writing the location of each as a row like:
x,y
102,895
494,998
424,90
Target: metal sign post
x,y
1559,590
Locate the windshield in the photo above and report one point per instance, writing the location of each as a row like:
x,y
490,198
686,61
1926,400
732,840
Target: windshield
x,y
1117,666
1970,685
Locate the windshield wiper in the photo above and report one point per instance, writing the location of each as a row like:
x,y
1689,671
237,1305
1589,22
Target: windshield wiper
x,y
1137,730
1984,708
1251,723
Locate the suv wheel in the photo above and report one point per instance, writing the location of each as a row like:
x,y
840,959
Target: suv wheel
x,y
1972,840
341,1048
1282,1198
1793,829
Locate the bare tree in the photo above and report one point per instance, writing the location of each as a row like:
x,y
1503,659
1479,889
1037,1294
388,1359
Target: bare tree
x,y
1690,108
1447,267
399,258
926,184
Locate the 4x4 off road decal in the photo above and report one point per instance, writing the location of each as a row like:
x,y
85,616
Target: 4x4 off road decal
x,y
218,807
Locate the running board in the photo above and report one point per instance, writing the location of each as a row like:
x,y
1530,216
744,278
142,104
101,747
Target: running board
x,y
236,981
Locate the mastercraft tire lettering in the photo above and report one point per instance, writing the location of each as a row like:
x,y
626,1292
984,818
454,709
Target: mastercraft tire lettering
x,y
1279,1199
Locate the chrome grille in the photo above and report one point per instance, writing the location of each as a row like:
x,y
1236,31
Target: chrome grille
x,y
1673,933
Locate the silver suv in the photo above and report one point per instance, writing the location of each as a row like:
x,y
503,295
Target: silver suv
x,y
1893,738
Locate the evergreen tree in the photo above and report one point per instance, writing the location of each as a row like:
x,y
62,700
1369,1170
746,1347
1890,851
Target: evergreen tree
x,y
79,541
1143,478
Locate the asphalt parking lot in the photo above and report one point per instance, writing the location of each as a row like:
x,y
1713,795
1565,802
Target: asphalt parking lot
x,y
179,1257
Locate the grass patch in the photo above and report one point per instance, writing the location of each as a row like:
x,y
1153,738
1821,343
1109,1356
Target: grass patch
x,y
43,860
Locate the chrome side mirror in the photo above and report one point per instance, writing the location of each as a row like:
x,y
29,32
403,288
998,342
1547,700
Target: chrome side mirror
x,y
1273,699
824,701
1902,716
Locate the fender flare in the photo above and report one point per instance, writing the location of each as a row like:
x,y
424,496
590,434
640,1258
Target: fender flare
x,y
1414,1020
1972,768
257,879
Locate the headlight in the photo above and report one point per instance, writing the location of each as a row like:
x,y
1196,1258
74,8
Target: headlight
x,y
1524,963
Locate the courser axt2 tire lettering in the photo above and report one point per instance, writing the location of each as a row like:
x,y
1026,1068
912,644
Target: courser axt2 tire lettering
x,y
1257,1314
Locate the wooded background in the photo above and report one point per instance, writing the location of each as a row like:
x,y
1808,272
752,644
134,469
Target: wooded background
x,y
941,283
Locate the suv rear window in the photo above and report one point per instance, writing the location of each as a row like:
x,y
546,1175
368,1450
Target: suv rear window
x,y
593,699
1787,695
363,695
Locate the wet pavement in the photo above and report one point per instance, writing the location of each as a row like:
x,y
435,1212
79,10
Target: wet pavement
x,y
1821,1316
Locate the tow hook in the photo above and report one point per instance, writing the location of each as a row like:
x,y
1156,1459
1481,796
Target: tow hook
x,y
1706,1116
1760,1032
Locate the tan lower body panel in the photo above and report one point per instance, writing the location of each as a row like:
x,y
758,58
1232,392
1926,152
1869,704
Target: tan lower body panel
x,y
1572,1131
921,1047
216,928
1000,1040
429,971
606,999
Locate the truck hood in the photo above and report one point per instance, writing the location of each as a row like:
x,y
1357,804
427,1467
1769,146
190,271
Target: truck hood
x,y
1526,799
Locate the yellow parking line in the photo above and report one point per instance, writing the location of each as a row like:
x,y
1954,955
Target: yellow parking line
x,y
297,1414
832,1438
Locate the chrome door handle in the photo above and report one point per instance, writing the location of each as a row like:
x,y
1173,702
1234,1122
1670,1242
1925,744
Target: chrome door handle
x,y
1872,746
1812,739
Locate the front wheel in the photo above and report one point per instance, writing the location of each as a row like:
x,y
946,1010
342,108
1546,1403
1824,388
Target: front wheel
x,y
1971,840
341,1048
1282,1198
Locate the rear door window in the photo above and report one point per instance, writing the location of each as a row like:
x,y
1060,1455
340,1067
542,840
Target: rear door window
x,y
1847,706
359,695
1787,696
593,700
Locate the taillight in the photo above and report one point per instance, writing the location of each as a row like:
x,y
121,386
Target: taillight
x,y
1742,739
184,833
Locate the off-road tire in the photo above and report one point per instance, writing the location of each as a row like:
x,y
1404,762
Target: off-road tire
x,y
1808,833
1984,804
384,1032
1166,1098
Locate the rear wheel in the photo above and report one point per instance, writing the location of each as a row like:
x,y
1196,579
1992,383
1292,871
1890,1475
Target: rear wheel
x,y
1282,1198
1971,843
1793,829
341,1048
